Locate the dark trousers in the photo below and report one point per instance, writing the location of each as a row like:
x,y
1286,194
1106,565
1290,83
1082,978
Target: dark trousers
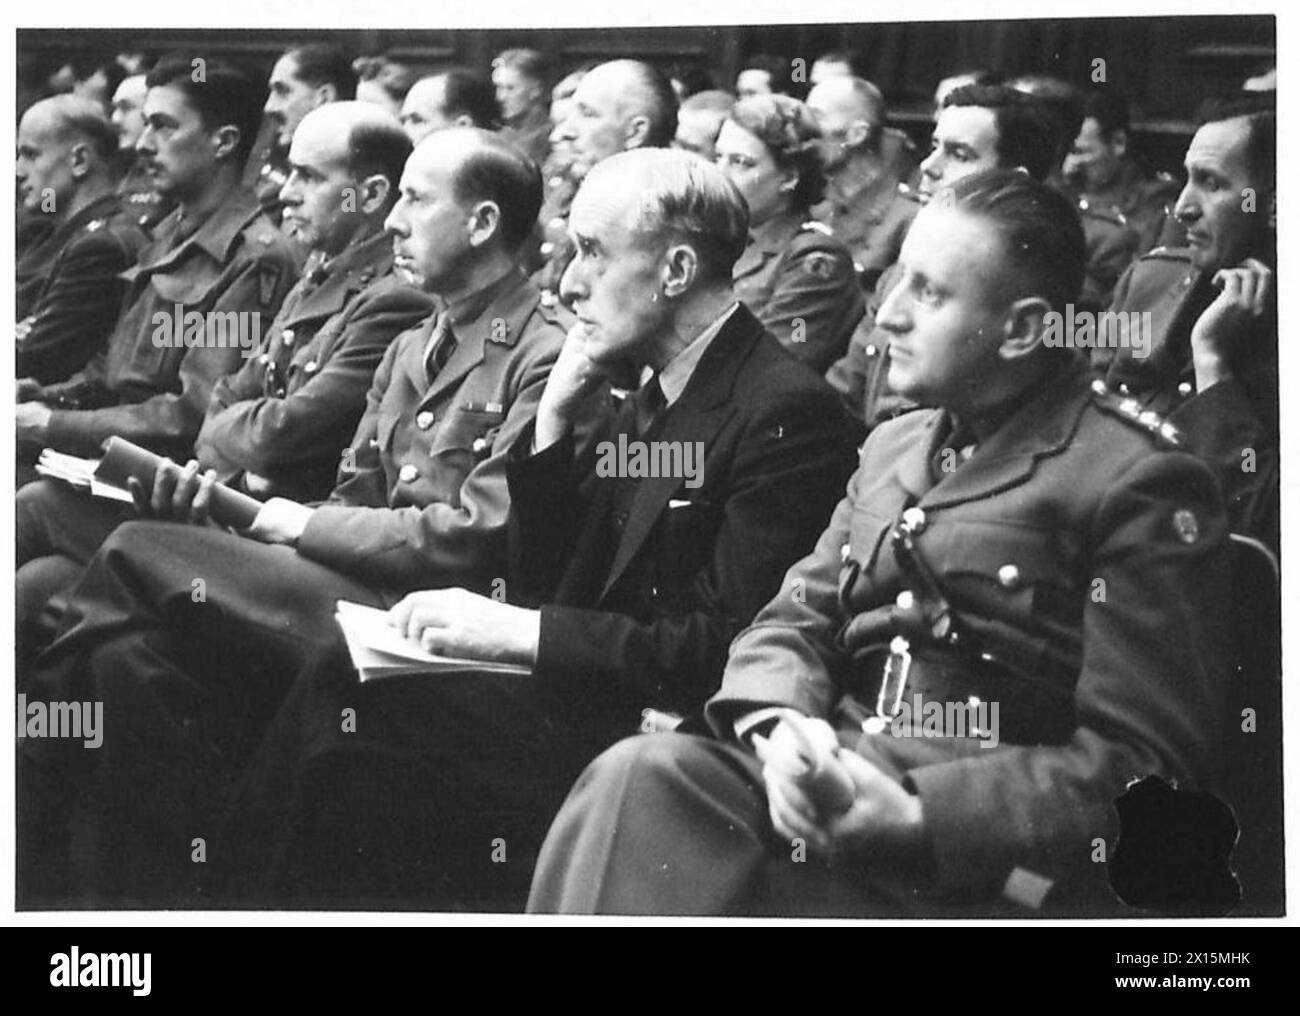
x,y
189,638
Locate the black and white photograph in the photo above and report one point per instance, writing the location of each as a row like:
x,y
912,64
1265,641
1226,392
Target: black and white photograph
x,y
499,466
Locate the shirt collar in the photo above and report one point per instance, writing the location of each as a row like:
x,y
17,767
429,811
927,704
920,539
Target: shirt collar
x,y
217,232
677,372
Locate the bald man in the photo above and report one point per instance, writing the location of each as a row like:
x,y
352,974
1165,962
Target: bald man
x,y
455,98
865,165
68,290
617,107
699,120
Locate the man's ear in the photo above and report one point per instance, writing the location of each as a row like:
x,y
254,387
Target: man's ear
x,y
225,142
859,135
680,270
1023,327
636,132
372,193
326,93
484,222
79,159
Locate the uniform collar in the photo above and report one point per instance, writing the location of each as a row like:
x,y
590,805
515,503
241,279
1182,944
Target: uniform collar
x,y
359,253
217,233
775,234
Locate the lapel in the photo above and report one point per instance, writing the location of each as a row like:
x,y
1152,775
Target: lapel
x,y
215,236
1043,426
765,242
501,321
698,415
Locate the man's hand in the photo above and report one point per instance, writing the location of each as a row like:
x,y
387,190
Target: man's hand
x,y
573,378
456,622
280,521
178,494
1243,299
883,818
32,422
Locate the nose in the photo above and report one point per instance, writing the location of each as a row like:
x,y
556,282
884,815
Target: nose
x,y
893,315
144,143
572,285
932,164
393,223
1186,209
565,131
289,190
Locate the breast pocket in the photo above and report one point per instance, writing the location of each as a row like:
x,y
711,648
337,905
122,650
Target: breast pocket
x,y
178,304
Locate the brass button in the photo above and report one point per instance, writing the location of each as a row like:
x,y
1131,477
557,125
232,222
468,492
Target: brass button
x,y
408,473
1009,576
914,519
424,420
1123,389
287,336
480,445
310,367
846,551
1185,389
905,600
871,350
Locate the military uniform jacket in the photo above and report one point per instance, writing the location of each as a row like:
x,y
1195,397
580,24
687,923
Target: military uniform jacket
x,y
871,221
1143,202
1077,543
286,413
1111,245
154,392
531,135
67,311
1227,421
799,282
421,499
644,581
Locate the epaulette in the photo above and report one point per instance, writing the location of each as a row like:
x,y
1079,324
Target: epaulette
x,y
1130,411
95,225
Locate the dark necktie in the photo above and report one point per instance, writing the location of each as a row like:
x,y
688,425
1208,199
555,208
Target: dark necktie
x,y
649,403
441,345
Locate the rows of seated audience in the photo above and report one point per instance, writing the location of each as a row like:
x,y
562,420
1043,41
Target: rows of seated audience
x,y
456,294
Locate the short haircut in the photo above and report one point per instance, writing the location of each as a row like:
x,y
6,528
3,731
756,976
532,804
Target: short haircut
x,y
790,134
378,146
499,172
1260,111
224,97
777,69
652,96
323,64
712,100
851,59
1043,237
870,99
82,119
468,94
528,62
1026,134
1062,102
687,199
693,79
1109,108
114,72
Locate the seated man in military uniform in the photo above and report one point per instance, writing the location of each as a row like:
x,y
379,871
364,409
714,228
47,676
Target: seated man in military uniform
x,y
1211,359
1039,565
275,427
69,288
189,634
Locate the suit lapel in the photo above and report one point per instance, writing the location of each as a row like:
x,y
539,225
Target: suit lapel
x,y
698,415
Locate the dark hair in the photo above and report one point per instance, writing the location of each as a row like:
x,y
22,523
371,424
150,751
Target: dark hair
x,y
468,94
499,172
790,134
777,69
1043,236
1026,135
323,64
528,62
1063,104
225,96
1260,111
1109,108
379,148
114,75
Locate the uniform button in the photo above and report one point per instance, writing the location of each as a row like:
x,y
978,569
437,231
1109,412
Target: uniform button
x,y
479,446
424,420
374,442
914,519
310,367
1185,389
547,249
287,336
1009,576
264,359
1123,389
408,473
905,600
871,350
845,551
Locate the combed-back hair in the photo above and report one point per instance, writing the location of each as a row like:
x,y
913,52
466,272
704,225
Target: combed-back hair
x,y
499,172
323,64
791,135
1260,111
222,94
1026,134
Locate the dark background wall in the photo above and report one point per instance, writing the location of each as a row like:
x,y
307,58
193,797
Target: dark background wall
x,y
1165,65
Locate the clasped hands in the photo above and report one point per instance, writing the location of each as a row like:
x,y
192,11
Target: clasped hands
x,y
834,800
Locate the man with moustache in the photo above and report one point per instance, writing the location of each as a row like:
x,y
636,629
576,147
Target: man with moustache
x,y
190,681
1213,354
141,200
68,287
961,568
624,590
